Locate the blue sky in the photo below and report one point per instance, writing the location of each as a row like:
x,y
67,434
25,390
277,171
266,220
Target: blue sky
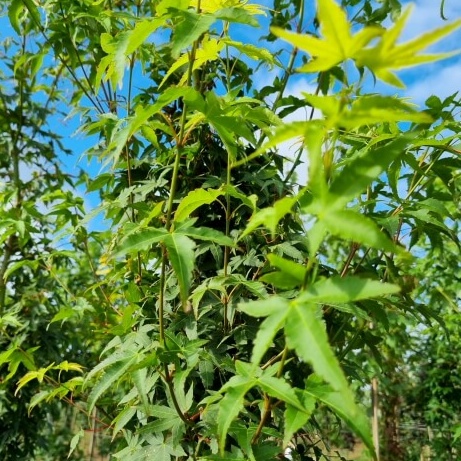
x,y
442,78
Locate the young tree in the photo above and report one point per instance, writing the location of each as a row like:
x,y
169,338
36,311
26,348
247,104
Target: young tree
x,y
232,298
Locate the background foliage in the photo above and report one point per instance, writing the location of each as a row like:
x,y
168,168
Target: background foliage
x,y
233,309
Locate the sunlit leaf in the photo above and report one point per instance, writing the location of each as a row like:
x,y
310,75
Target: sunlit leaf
x,y
346,289
190,27
194,200
271,216
388,54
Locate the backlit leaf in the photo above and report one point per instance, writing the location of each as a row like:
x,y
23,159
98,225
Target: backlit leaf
x,y
359,173
350,225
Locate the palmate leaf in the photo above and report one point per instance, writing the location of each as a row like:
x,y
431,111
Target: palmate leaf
x,y
389,55
365,110
271,216
337,44
295,419
280,389
191,26
122,419
141,241
209,51
266,334
118,49
351,225
290,274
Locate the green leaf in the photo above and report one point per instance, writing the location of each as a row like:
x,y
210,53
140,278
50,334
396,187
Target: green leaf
x,y
350,413
265,307
33,11
194,200
270,217
290,276
141,241
239,15
182,257
229,407
122,419
357,175
189,28
295,419
337,44
15,9
389,54
250,201
280,389
75,441
305,333
266,334
336,290
353,226
64,313
253,52
17,265
207,234
110,376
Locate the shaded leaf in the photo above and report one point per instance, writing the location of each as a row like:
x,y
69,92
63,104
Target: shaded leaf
x,y
181,255
305,333
351,414
229,407
110,376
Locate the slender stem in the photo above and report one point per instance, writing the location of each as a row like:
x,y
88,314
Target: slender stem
x,y
180,140
8,247
76,80
264,417
226,248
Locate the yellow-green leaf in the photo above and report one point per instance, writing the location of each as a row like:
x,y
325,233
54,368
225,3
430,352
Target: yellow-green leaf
x,y
195,199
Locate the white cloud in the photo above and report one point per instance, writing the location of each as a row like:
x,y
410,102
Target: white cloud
x,y
439,80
